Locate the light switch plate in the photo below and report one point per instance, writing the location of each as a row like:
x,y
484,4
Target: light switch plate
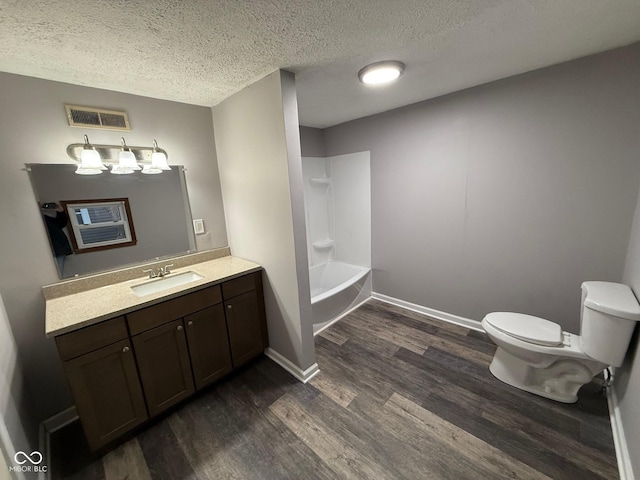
x,y
198,226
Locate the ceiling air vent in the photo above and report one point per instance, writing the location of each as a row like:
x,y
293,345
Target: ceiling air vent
x,y
88,117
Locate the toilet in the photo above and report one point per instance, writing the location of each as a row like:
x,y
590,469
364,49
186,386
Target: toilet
x,y
535,355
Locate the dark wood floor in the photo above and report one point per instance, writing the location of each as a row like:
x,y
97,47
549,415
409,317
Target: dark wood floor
x,y
398,396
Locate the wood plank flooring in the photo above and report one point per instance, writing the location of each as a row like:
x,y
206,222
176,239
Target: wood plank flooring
x,y
399,396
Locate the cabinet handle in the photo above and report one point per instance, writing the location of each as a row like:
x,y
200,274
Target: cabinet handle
x,y
179,327
229,307
125,349
190,322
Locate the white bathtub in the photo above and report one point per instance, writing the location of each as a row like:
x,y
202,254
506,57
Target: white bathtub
x,y
336,288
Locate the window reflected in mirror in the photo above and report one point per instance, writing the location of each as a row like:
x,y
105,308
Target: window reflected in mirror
x,y
100,224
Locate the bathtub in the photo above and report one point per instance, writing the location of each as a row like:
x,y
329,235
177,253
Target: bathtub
x,y
336,288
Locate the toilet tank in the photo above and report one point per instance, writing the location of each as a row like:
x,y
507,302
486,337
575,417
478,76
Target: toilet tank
x,y
609,315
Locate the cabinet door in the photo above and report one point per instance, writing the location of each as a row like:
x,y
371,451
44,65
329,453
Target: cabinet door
x,y
107,392
208,345
163,362
245,325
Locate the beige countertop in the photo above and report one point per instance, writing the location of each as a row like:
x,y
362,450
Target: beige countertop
x,y
70,312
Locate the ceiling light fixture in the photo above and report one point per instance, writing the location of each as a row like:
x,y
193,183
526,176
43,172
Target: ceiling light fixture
x,y
380,73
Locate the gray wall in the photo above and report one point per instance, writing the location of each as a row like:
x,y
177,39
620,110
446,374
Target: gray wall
x,y
505,196
627,384
34,129
312,142
261,174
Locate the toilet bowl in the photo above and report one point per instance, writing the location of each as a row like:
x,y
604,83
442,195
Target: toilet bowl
x,y
556,371
535,355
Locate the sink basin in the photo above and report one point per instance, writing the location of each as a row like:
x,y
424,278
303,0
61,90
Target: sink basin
x,y
165,283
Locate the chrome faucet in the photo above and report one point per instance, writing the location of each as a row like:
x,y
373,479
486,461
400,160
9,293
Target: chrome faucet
x,y
152,273
162,271
165,270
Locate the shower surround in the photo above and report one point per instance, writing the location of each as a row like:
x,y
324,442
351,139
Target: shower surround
x,y
337,194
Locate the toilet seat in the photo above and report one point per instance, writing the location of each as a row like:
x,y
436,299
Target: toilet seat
x,y
527,328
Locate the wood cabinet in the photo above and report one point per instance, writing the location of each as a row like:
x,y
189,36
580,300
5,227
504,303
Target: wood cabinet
x,y
125,370
208,345
180,345
164,366
244,310
107,392
243,322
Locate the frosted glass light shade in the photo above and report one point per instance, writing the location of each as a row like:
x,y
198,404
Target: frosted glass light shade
x,y
121,169
90,159
159,160
150,170
127,160
88,171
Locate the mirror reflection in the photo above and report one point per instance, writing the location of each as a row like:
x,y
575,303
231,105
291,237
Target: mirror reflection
x,y
101,222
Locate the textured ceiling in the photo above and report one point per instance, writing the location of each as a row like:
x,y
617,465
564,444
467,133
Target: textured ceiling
x,y
202,51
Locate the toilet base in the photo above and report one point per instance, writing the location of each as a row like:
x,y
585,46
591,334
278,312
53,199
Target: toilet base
x,y
560,381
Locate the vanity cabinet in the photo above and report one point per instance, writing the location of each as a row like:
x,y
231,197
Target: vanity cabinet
x,y
103,376
125,370
165,356
208,345
245,317
165,369
244,309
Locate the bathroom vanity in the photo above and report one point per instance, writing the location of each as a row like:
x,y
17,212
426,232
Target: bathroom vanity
x,y
153,352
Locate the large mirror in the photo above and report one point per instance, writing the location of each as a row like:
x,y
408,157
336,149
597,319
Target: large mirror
x,y
101,222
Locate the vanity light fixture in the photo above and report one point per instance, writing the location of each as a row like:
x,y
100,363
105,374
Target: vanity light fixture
x,y
380,73
158,161
90,161
123,159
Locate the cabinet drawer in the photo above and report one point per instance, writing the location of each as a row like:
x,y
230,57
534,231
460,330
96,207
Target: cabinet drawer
x,y
165,312
239,285
91,338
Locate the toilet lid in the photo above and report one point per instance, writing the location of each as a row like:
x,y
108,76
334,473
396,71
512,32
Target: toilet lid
x,y
526,327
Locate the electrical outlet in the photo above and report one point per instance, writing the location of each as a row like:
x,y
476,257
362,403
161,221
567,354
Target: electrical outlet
x,y
198,226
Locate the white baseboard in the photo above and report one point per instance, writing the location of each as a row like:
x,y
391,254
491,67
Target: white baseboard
x,y
430,312
619,440
341,316
47,427
301,375
60,420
